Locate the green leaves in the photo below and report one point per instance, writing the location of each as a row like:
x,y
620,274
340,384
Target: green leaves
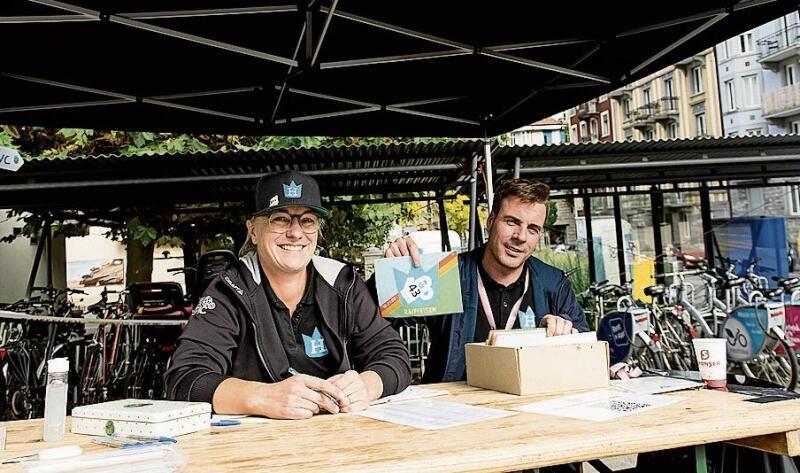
x,y
142,233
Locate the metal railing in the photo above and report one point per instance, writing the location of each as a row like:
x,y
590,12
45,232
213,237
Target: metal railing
x,y
784,99
778,41
669,104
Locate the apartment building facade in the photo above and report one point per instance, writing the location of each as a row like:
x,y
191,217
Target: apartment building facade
x,y
591,122
679,101
758,79
543,132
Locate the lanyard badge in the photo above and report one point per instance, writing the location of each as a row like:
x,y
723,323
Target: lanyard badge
x,y
527,318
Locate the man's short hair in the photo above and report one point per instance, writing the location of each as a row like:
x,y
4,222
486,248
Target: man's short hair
x,y
526,190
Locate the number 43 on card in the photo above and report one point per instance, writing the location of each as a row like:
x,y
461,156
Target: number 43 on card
x,y
433,288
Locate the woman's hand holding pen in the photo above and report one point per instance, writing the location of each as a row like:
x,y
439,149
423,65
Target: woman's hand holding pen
x,y
299,397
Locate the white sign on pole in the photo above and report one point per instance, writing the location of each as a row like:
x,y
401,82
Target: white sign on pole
x,y
10,159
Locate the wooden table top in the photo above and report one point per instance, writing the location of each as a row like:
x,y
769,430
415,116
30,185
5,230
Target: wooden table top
x,y
353,443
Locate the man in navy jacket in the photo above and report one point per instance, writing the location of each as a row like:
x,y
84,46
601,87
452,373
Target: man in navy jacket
x,y
502,286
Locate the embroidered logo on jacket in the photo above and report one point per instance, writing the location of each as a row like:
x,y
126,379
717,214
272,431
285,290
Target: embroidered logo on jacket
x,y
205,303
292,190
234,286
315,345
527,319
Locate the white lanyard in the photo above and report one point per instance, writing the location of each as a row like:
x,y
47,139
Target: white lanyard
x,y
487,309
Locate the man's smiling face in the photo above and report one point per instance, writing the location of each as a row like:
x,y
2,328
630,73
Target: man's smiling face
x,y
514,231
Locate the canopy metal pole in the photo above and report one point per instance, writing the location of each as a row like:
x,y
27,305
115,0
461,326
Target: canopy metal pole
x,y
708,229
49,235
587,219
487,151
36,259
623,278
443,227
473,200
516,167
656,215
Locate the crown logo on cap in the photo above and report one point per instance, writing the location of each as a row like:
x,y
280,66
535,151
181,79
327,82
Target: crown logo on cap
x,y
292,190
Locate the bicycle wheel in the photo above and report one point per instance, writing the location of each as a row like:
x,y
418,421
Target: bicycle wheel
x,y
777,368
648,359
677,342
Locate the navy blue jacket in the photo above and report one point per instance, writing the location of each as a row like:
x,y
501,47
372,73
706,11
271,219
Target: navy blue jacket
x,y
552,294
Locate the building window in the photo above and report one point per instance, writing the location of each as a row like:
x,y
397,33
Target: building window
x,y
584,134
650,135
546,139
672,130
626,108
645,96
796,128
593,129
754,132
669,94
700,124
751,96
697,80
794,200
726,51
731,95
573,132
746,43
605,124
789,72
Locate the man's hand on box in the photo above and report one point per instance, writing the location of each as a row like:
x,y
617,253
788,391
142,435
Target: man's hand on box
x,y
403,246
556,325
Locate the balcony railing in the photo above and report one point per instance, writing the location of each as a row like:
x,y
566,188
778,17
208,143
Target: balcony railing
x,y
644,114
779,41
785,99
585,109
669,104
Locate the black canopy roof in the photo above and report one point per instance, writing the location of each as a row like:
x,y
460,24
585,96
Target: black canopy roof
x,y
339,68
107,181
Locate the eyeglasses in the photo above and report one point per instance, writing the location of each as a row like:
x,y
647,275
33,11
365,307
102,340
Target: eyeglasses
x,y
281,222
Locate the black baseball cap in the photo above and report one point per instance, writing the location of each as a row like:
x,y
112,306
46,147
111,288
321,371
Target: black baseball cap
x,y
280,190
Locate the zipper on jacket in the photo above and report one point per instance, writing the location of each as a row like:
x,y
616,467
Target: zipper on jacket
x,y
261,355
346,339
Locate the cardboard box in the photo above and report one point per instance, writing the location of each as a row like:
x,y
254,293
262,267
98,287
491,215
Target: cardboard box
x,y
546,369
152,418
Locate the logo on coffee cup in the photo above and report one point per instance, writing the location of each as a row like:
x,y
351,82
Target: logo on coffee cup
x,y
704,354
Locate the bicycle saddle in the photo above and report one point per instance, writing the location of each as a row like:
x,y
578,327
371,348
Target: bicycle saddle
x,y
728,283
786,282
654,291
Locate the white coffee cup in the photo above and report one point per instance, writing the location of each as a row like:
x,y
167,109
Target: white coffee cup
x,y
711,354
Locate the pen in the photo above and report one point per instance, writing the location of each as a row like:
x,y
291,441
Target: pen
x,y
294,372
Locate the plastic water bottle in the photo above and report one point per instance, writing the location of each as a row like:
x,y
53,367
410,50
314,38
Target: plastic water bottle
x,y
55,399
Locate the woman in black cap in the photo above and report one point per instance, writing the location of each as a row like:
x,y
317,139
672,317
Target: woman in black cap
x,y
286,333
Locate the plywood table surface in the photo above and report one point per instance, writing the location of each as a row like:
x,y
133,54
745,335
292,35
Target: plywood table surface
x,y
353,443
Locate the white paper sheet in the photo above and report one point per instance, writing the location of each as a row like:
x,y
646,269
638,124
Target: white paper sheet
x,y
570,339
411,393
431,414
599,405
653,385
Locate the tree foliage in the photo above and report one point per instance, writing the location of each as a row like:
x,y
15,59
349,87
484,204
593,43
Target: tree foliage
x,y
350,228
